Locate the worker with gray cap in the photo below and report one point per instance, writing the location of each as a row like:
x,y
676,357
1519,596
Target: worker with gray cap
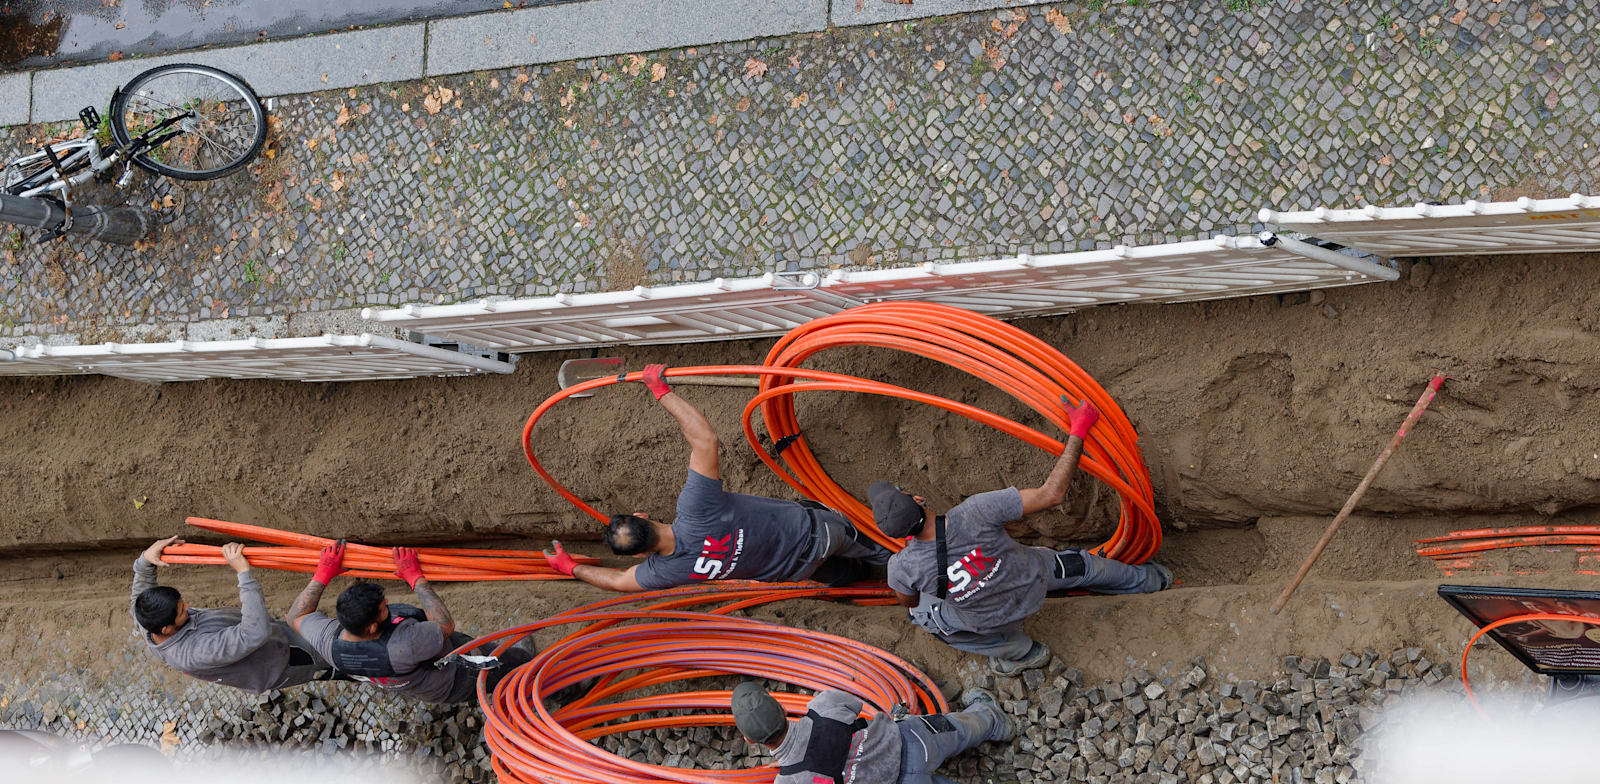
x,y
971,585
832,743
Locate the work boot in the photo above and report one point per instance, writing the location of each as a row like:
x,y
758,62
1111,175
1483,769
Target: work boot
x,y
1003,730
1036,657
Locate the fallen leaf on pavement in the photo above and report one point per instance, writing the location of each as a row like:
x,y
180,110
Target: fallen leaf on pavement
x,y
938,65
1059,20
115,56
743,105
138,503
335,183
364,109
794,61
799,100
657,72
344,115
754,69
120,25
431,103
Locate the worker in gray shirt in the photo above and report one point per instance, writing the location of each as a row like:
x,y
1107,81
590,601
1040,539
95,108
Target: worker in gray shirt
x,y
394,648
832,743
244,648
970,584
718,535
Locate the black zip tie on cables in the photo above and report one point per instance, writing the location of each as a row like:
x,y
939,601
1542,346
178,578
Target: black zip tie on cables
x,y
783,443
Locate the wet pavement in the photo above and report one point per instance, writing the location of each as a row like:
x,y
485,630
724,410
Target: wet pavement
x,y
43,33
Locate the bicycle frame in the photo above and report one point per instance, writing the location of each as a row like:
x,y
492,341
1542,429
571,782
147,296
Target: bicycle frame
x,y
99,161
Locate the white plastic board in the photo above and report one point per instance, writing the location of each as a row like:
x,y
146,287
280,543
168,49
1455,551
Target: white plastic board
x,y
1521,226
721,309
13,365
325,358
767,306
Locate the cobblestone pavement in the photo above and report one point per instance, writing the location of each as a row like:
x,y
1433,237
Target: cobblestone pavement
x,y
1038,130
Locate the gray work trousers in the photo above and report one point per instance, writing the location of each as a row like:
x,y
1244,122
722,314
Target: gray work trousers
x,y
836,537
1073,569
305,664
927,741
465,686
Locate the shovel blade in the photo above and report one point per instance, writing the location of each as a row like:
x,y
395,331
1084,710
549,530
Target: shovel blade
x,y
577,371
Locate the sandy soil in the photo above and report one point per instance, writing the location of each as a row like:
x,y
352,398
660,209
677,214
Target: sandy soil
x,y
1257,417
1246,408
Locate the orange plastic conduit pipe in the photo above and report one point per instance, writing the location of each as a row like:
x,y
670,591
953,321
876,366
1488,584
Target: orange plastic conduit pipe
x,y
1489,627
661,643
1020,364
299,553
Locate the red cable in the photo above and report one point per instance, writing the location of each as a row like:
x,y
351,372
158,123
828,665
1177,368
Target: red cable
x,y
1504,622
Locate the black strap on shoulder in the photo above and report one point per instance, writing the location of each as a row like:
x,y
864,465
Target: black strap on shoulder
x,y
943,550
827,749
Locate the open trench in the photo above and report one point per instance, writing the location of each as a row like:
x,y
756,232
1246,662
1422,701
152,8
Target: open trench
x,y
1256,415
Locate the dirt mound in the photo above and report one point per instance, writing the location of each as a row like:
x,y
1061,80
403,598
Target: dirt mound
x,y
1265,406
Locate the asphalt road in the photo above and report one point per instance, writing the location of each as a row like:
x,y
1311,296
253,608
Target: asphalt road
x,y
43,33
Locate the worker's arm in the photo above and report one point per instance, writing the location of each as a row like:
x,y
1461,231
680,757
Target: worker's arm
x,y
619,580
329,566
144,569
407,568
907,599
1054,489
226,646
697,429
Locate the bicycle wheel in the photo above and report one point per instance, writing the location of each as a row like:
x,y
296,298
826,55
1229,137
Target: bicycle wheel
x,y
201,123
32,171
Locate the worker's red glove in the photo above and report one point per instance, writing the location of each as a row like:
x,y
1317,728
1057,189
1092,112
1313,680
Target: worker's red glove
x,y
1080,418
406,566
655,379
331,564
559,560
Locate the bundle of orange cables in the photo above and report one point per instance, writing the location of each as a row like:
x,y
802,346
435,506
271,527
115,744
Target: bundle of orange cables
x,y
661,643
298,553
1478,540
1005,356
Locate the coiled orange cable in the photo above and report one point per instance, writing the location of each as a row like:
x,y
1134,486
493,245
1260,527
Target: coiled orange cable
x,y
1018,363
660,644
1489,627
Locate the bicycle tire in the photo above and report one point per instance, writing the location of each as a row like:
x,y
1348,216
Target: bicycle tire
x,y
42,172
119,129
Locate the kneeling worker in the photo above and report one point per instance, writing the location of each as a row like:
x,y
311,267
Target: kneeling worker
x,y
718,535
244,648
392,647
832,743
971,585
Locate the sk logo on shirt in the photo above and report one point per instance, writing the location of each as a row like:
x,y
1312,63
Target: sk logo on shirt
x,y
962,572
713,557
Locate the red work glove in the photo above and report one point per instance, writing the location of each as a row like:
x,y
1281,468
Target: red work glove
x,y
331,564
655,379
559,560
1080,418
406,566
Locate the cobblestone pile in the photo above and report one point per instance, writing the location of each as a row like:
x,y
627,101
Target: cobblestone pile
x,y
1036,130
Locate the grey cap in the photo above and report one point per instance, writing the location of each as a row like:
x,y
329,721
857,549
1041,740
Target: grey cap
x,y
894,511
758,716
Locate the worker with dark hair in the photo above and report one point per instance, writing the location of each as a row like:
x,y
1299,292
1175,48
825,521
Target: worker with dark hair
x,y
971,585
832,743
244,648
393,647
718,535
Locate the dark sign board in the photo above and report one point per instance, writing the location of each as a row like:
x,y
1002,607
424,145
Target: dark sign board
x,y
1546,647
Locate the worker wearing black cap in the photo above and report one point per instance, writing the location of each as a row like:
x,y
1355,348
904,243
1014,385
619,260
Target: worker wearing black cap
x,y
972,585
832,743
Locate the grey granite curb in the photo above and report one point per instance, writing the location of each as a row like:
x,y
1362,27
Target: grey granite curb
x,y
849,13
606,27
302,65
15,98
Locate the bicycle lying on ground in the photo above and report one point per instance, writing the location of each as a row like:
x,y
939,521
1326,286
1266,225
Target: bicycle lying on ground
x,y
189,122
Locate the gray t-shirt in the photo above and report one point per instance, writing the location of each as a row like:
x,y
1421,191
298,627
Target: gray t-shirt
x,y
994,582
874,749
412,649
730,536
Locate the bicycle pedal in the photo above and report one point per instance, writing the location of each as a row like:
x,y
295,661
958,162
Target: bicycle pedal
x,y
90,118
